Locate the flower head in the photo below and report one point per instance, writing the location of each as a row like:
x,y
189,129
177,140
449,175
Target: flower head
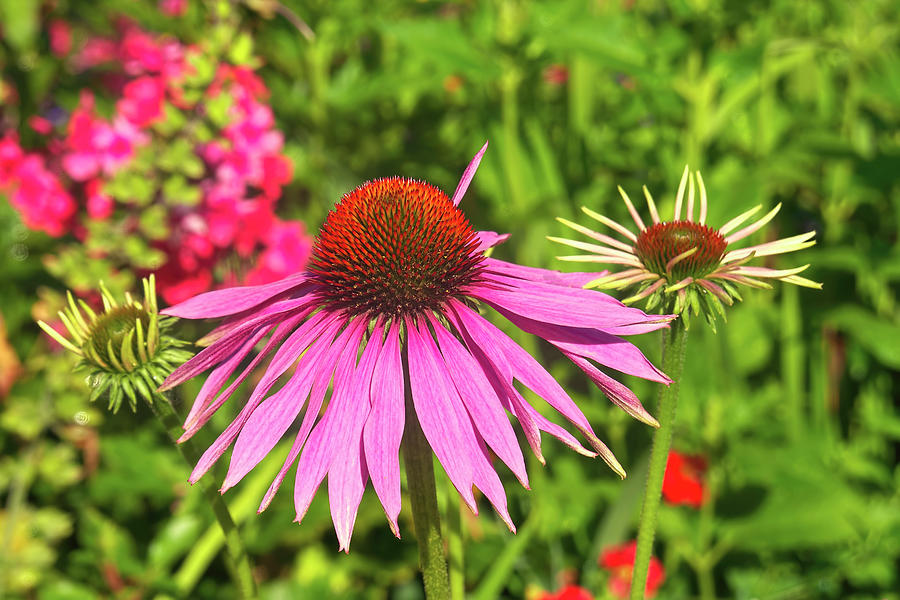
x,y
683,482
684,263
124,347
619,561
390,302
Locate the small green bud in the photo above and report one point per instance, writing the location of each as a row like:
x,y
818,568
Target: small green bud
x,y
124,347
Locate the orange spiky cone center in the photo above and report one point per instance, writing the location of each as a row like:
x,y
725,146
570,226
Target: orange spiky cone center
x,y
660,243
394,247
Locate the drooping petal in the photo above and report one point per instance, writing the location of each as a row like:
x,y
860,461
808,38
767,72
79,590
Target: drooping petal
x,y
325,439
348,473
351,335
514,362
272,418
218,376
313,328
487,480
347,480
222,349
481,401
220,303
443,421
384,427
575,308
549,276
209,357
606,349
195,421
467,176
617,393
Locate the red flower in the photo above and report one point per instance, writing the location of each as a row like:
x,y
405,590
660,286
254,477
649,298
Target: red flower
x,y
683,481
570,592
619,561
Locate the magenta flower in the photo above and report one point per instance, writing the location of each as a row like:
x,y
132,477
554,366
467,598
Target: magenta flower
x,y
396,276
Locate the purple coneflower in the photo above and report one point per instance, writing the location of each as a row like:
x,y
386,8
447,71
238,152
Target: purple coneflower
x,y
685,260
389,302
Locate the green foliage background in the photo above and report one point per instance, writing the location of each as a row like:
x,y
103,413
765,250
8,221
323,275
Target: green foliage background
x,y
793,401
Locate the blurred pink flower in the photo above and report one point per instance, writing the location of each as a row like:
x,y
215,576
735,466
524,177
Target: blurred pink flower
x,y
60,37
92,144
40,198
173,8
142,100
10,156
287,249
40,124
96,51
99,205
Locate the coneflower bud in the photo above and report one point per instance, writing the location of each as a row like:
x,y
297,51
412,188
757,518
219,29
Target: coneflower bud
x,y
124,347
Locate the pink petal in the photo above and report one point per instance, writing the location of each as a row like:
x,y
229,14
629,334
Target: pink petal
x,y
222,349
197,420
220,303
467,176
577,280
481,401
531,421
331,433
489,239
443,421
384,427
313,328
347,480
220,374
487,480
210,356
515,362
617,393
351,334
271,419
606,349
348,473
574,308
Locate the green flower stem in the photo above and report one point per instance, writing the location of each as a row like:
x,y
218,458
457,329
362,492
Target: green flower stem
x,y
455,554
236,557
423,501
673,363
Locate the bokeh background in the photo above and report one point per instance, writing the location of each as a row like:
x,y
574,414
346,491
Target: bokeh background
x,y
205,141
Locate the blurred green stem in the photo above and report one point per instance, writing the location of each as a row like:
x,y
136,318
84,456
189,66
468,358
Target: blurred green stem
x,y
704,568
455,549
674,340
15,501
236,558
423,501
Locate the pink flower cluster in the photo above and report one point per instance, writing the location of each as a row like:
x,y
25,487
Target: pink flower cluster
x,y
33,190
239,183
